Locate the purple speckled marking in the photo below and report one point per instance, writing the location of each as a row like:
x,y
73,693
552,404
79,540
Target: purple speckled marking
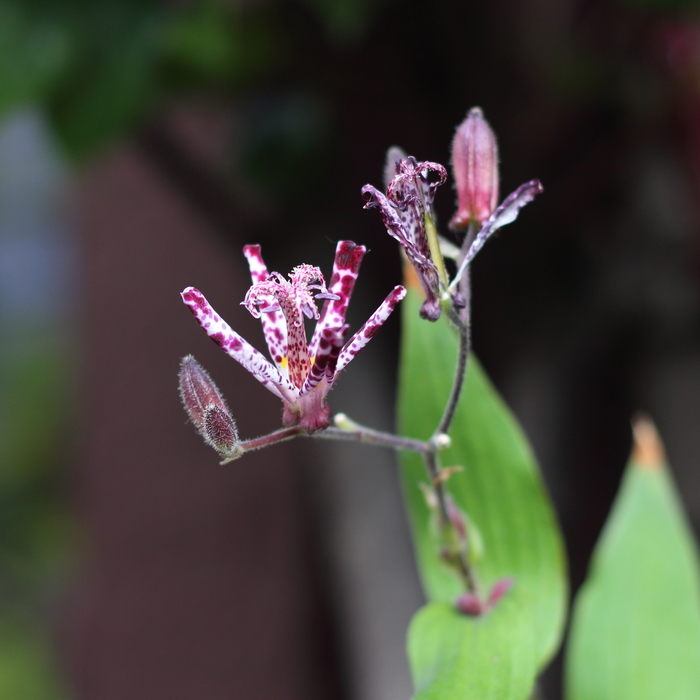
x,y
346,268
310,377
273,323
296,299
235,346
408,198
363,336
324,365
506,213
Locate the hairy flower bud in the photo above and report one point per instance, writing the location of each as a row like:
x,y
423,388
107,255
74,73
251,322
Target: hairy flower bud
x,y
220,429
475,170
206,407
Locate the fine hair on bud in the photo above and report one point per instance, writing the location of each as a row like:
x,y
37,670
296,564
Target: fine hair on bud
x,y
220,429
206,406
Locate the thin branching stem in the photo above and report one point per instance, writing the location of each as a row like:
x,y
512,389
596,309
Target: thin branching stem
x,y
460,372
374,437
461,321
257,443
358,433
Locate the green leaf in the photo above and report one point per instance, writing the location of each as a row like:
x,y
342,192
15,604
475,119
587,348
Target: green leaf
x,y
486,658
636,627
502,493
28,669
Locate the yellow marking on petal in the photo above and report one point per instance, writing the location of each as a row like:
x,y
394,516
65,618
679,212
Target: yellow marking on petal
x,y
284,363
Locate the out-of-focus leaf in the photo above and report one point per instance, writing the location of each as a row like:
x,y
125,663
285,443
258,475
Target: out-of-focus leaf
x,y
33,54
111,80
32,413
214,44
636,627
346,21
27,670
460,657
499,488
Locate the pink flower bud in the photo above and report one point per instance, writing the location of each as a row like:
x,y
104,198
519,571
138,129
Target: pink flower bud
x,y
475,170
206,407
469,604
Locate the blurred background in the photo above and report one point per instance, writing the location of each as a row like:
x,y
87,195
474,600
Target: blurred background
x,y
142,144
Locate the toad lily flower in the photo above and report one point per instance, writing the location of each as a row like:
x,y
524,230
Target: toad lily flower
x,y
406,210
407,216
301,373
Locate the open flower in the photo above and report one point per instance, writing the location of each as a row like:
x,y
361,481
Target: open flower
x,y
406,212
301,373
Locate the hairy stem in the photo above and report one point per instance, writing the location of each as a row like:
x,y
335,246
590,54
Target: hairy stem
x,y
355,433
272,438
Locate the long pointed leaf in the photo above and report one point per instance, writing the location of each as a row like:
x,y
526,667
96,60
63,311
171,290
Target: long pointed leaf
x,y
636,627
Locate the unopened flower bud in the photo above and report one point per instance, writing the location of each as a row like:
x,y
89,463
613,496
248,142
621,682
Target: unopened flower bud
x,y
469,604
220,429
475,170
206,406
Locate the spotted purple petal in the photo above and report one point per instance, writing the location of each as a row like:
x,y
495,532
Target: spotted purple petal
x,y
272,319
346,267
506,213
373,324
235,346
326,359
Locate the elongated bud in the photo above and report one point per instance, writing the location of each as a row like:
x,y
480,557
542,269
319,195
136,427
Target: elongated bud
x,y
220,429
475,170
206,407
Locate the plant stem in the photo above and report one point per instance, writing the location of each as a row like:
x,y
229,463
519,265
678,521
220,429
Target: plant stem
x,y
433,468
272,438
374,437
357,433
465,282
460,372
462,322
